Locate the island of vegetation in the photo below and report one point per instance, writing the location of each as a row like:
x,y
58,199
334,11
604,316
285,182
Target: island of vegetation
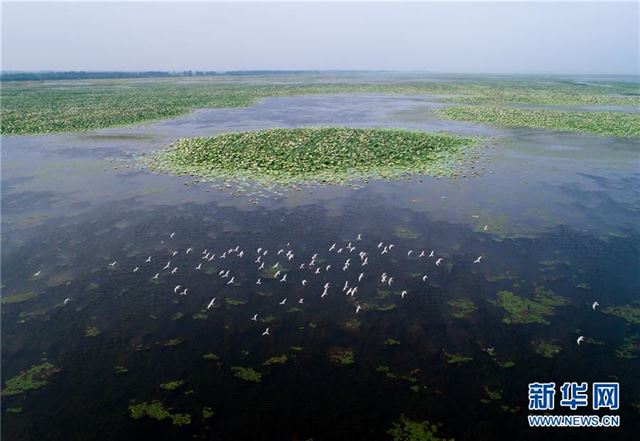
x,y
321,155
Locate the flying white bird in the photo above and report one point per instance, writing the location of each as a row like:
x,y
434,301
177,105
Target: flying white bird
x,y
580,339
174,253
135,270
266,332
189,250
402,294
333,247
284,278
259,282
283,302
409,253
431,254
424,278
199,267
390,280
327,268
230,282
359,237
360,277
439,261
156,276
167,265
595,305
255,317
358,308
175,290
380,245
148,259
184,293
478,259
113,264
276,275
301,300
175,270
67,300
304,283
172,235
422,254
211,303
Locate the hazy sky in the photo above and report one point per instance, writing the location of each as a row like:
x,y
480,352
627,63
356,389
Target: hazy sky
x,y
502,37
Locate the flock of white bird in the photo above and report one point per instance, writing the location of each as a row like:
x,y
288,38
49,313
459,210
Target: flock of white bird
x,y
312,267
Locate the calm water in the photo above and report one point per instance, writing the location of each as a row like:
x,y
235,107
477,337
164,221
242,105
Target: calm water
x,y
561,213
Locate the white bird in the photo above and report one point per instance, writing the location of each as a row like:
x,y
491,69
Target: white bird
x,y
333,247
276,274
135,270
199,267
291,256
439,261
276,265
595,305
283,302
184,293
409,253
148,259
266,332
366,261
359,237
390,280
156,276
478,259
259,282
360,277
67,300
280,251
580,339
172,235
422,254
340,250
485,228
175,290
358,308
346,285
424,278
113,264
324,293
230,282
317,271
189,250
327,268
173,271
301,300
402,294
211,303
304,283
167,265
391,246
254,318
261,266
431,254
380,245
385,250
301,266
326,285
284,278
174,253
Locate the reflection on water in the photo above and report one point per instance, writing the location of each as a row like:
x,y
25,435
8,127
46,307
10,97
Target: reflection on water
x,y
560,213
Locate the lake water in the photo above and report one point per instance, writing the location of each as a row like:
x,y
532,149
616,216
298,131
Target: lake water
x,y
561,213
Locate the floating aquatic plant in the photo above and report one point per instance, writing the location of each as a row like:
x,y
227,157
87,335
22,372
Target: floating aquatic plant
x,y
630,349
207,412
598,123
91,331
523,311
17,298
156,410
625,312
172,385
462,307
211,356
324,155
247,374
121,370
457,358
546,348
341,356
409,430
278,359
35,377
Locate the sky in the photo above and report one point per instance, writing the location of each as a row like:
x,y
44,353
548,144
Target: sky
x,y
476,37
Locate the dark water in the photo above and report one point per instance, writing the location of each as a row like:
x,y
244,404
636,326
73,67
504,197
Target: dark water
x,y
561,212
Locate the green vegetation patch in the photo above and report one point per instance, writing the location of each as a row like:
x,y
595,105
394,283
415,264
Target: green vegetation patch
x,y
328,155
207,412
278,359
598,123
35,377
546,348
247,374
91,331
172,385
156,410
211,356
523,311
17,298
341,356
630,349
626,312
462,307
457,358
409,430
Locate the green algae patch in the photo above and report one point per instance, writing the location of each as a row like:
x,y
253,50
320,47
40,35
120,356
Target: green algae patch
x,y
409,430
17,298
91,331
207,412
341,356
525,311
598,123
462,307
211,356
321,155
172,385
247,374
279,359
456,358
391,342
35,377
156,410
121,370
627,312
630,349
547,349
